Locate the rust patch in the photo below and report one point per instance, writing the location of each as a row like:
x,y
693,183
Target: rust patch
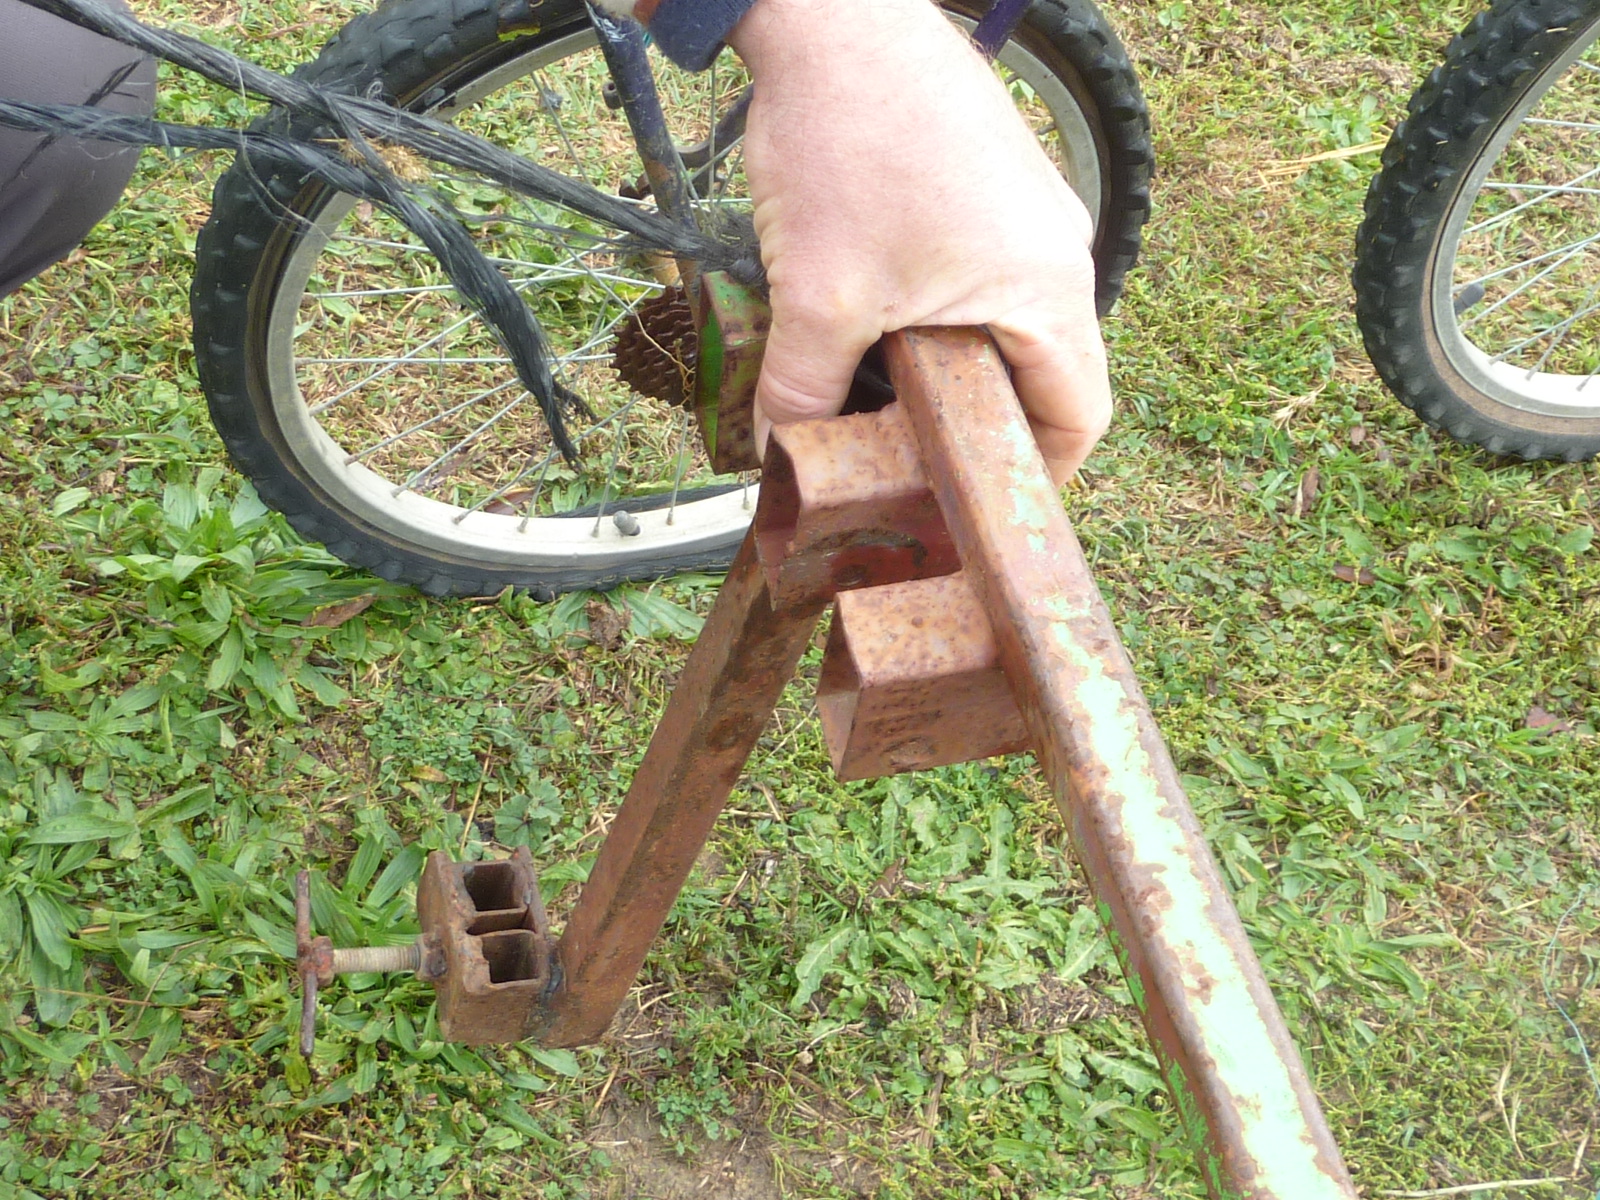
x,y
911,679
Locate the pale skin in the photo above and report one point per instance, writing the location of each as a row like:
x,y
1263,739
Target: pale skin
x,y
895,185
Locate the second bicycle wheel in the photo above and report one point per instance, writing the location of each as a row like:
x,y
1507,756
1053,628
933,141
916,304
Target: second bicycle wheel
x,y
383,419
1478,264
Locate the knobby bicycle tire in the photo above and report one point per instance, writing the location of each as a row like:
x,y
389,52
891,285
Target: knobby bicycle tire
x,y
1475,263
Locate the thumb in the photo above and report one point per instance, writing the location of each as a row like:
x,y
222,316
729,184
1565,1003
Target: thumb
x,y
807,369
1061,380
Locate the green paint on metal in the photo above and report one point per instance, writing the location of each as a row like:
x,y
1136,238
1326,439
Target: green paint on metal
x,y
1016,513
1228,1022
1034,507
1190,1117
709,379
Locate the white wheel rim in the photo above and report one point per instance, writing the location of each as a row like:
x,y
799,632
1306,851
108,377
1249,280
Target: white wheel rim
x,y
1509,368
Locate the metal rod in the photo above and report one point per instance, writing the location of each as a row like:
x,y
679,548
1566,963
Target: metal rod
x,y
738,668
304,964
622,43
998,24
1238,1082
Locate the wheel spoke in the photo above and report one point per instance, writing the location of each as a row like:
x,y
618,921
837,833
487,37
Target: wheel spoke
x,y
542,466
1547,189
711,120
735,165
1544,333
1523,287
1501,217
546,271
681,460
411,484
538,488
392,365
1579,244
400,360
611,475
443,415
550,101
1552,122
354,293
1563,328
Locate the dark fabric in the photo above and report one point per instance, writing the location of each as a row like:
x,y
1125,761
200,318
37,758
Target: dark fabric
x,y
54,190
691,32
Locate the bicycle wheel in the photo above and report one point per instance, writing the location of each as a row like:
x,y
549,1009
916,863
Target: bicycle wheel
x,y
1478,264
385,422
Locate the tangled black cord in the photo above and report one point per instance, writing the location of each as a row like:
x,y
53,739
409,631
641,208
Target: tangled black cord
x,y
347,153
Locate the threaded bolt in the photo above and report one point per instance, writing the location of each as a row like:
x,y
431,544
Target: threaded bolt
x,y
377,959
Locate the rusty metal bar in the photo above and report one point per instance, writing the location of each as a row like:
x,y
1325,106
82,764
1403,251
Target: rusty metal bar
x,y
911,680
747,652
978,629
845,504
313,962
1240,1087
318,961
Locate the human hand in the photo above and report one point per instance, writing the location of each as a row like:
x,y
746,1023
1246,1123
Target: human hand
x,y
896,185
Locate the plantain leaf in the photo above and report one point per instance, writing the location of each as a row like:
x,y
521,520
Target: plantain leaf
x,y
656,616
79,827
51,928
404,868
363,866
230,656
562,1062
818,958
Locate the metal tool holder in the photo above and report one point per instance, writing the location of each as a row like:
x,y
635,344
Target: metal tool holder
x,y
966,624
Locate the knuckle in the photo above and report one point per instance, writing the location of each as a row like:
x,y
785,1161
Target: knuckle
x,y
783,400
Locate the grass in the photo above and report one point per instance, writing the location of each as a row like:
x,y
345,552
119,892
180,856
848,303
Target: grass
x,y
1373,653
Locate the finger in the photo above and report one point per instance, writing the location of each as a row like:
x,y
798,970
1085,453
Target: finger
x,y
1060,377
807,370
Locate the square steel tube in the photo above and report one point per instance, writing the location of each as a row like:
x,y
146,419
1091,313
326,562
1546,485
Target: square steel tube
x,y
846,504
747,651
1239,1086
488,920
911,679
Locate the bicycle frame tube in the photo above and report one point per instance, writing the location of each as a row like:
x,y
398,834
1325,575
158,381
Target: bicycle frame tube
x,y
998,24
622,43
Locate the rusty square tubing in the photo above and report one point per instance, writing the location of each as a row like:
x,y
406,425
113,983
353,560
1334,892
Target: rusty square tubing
x,y
845,504
488,922
1239,1085
911,679
745,655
